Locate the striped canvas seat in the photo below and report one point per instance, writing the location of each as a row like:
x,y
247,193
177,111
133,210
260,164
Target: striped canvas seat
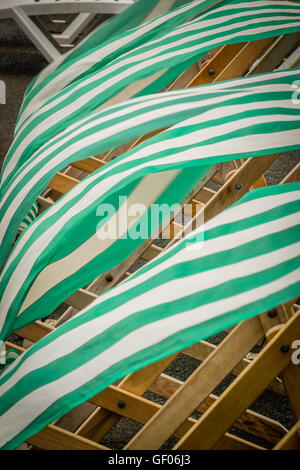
x,y
236,266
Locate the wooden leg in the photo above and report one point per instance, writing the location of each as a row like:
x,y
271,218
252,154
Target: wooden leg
x,y
291,441
244,390
199,385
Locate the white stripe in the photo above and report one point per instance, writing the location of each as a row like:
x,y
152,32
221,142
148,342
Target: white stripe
x,y
86,62
234,145
112,130
145,62
15,420
148,190
209,247
216,86
61,156
220,148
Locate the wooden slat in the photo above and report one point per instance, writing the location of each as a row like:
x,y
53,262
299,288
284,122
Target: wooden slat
x,y
138,409
218,63
35,331
245,58
291,441
62,183
114,275
137,383
243,391
273,57
205,195
243,179
249,421
54,438
201,351
135,408
198,386
89,165
293,176
291,380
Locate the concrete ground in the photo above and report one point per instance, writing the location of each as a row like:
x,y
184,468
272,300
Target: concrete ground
x,y
19,62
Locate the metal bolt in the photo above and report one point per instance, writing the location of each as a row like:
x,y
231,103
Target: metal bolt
x,y
285,348
238,186
212,71
272,313
121,404
109,278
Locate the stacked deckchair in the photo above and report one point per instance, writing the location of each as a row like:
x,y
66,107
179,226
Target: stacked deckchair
x,y
37,19
240,268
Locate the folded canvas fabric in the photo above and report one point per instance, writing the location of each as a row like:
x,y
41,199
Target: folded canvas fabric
x,y
246,262
109,128
61,251
241,263
50,120
102,46
230,23
30,217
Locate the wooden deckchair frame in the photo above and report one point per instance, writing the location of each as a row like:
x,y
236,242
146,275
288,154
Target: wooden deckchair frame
x,y
26,12
85,426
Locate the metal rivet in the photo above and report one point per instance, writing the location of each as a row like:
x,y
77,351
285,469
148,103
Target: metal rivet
x,y
238,186
121,404
272,313
212,71
109,278
285,348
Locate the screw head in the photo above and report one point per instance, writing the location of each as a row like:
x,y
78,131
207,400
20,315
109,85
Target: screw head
x,y
285,348
238,186
121,404
212,71
272,313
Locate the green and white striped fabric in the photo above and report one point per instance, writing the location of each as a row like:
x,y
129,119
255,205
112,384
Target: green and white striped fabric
x,y
102,53
140,12
61,252
30,217
230,23
240,264
246,262
109,128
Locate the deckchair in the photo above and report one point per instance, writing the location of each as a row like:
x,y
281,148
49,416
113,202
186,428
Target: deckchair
x,y
124,402
26,12
144,383
231,58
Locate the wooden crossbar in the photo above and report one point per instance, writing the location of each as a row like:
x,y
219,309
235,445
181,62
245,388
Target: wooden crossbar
x,y
85,426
